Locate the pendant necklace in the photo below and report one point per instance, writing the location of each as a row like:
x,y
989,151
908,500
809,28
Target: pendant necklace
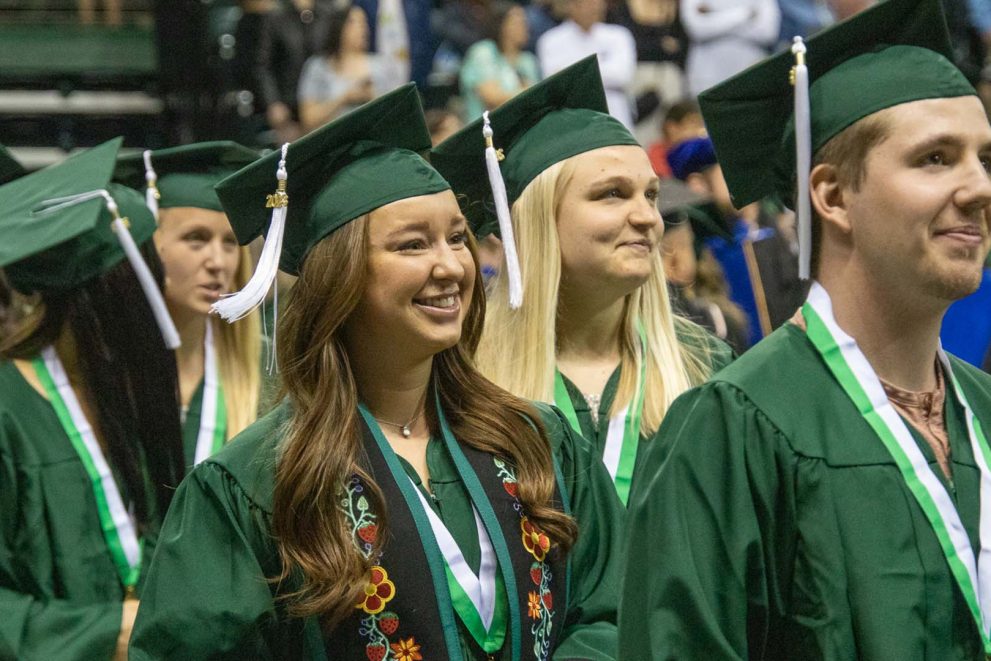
x,y
404,429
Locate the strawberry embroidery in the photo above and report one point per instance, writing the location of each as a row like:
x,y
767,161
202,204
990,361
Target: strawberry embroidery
x,y
375,652
388,622
368,532
540,603
379,625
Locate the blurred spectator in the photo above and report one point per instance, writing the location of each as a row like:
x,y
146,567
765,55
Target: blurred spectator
x,y
400,33
727,36
661,48
759,266
682,121
442,124
345,75
289,36
802,18
714,311
459,24
496,69
585,34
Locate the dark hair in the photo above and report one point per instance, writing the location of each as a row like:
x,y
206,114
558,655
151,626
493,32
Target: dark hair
x,y
682,109
129,375
334,29
498,11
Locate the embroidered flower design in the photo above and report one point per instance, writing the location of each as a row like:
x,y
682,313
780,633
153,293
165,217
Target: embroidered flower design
x,y
533,605
534,540
378,592
406,650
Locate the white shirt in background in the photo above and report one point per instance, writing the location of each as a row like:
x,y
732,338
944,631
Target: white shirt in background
x,y
567,43
726,37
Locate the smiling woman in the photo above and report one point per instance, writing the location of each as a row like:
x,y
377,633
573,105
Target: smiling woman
x,y
595,333
397,503
219,364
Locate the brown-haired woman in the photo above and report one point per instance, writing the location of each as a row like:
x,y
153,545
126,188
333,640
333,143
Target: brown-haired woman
x,y
397,504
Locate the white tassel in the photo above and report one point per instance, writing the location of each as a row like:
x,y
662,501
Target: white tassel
x,y
152,196
803,158
492,158
235,306
141,270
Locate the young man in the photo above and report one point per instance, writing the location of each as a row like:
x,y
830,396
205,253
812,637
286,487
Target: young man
x,y
828,496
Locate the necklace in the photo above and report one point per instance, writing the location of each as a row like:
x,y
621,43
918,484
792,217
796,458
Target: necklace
x,y
403,429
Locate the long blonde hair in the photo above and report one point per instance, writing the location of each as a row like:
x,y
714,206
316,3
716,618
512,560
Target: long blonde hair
x,y
518,347
238,348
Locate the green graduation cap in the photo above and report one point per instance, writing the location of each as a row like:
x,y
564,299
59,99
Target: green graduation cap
x,y
560,117
896,52
10,169
360,162
183,176
493,159
67,224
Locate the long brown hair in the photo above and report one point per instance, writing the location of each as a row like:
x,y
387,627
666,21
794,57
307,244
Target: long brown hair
x,y
322,444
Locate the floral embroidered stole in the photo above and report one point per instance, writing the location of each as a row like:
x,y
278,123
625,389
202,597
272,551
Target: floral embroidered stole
x,y
396,618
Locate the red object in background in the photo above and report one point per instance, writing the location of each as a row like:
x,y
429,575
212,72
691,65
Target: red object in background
x,y
658,155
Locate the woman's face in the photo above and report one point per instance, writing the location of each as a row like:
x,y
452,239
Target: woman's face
x,y
355,32
421,278
200,255
607,221
514,28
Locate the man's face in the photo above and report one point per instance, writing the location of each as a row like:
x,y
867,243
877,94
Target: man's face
x,y
587,13
921,216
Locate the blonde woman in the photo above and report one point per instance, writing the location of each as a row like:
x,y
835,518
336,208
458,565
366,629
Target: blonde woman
x,y
594,333
219,363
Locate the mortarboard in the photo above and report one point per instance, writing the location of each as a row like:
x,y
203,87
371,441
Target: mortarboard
x,y
355,164
10,168
895,52
183,176
67,224
559,117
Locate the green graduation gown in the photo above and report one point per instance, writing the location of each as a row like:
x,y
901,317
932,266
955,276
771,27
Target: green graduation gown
x,y
772,523
60,595
206,594
719,355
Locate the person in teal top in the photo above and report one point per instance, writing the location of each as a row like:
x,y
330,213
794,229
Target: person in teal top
x,y
827,496
90,445
580,316
496,69
396,504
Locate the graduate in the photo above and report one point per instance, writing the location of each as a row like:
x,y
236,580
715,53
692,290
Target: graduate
x,y
580,316
396,504
828,495
90,444
219,363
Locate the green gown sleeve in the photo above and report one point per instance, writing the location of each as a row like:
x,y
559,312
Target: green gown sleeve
x,y
695,584
32,626
590,626
206,595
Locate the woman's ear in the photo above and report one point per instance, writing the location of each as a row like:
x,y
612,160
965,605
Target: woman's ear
x,y
828,199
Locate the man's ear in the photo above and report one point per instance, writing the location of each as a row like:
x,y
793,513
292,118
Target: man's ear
x,y
828,199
